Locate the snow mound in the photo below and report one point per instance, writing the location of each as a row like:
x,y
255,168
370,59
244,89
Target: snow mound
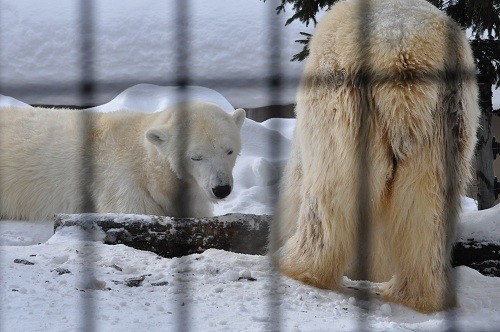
x,y
149,98
483,226
6,101
468,204
229,44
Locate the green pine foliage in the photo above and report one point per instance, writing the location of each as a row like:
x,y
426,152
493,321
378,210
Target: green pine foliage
x,y
482,18
305,11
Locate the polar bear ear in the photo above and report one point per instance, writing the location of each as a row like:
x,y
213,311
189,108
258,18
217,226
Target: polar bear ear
x,y
156,136
239,116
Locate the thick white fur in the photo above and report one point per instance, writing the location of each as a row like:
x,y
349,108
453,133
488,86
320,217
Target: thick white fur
x,y
414,142
139,163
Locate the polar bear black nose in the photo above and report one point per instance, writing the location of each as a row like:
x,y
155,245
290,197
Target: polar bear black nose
x,y
221,191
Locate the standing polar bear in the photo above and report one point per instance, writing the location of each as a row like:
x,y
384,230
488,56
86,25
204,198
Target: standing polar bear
x,y
389,84
175,163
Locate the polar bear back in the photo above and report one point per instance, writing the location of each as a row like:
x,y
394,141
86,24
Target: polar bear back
x,y
36,168
406,50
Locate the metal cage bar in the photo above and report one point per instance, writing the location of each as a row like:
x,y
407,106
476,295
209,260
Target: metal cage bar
x,y
182,8
363,298
275,85
87,90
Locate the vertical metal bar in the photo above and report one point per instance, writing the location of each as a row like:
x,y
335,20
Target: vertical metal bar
x,y
364,169
1,134
451,79
87,98
86,90
182,78
275,93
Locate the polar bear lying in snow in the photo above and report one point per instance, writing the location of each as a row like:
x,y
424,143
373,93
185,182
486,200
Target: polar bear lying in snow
x,y
175,163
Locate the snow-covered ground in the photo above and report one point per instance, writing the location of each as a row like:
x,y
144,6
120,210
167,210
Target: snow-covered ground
x,y
71,280
213,291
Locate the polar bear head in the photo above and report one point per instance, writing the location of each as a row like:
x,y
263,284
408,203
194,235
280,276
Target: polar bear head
x,y
200,141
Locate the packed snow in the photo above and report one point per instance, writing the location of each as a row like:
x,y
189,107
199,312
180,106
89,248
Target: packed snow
x,y
70,280
481,225
230,47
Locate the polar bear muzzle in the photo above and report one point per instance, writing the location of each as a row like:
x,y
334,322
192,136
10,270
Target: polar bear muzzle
x,y
221,191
